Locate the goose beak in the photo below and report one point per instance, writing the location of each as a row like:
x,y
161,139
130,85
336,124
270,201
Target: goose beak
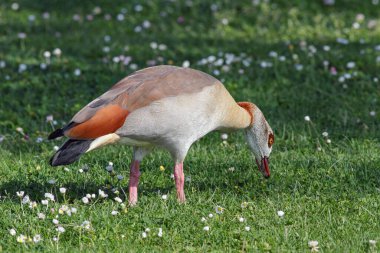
x,y
264,166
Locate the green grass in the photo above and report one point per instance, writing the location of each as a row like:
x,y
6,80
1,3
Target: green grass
x,y
329,192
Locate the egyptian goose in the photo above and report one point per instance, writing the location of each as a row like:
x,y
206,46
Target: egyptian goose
x,y
163,106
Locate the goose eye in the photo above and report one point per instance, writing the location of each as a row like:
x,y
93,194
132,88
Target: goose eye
x,y
270,140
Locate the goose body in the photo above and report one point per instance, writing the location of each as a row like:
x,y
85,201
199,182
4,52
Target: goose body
x,y
163,106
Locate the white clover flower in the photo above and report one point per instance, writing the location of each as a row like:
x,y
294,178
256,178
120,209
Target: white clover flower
x,y
22,67
216,72
231,169
162,47
88,195
56,148
210,215
49,118
241,219
280,213
85,200
107,38
186,64
372,113
355,25
86,225
116,59
164,197
31,18
144,234
325,134
372,243
93,195
224,136
206,228
62,190
21,36
224,21
138,29
57,52
146,24
12,231
244,204
265,64
47,54
73,210
41,216
247,228
117,199
154,45
49,196
21,238
120,17
307,118
64,209
328,141
25,200
80,170
102,194
109,167
37,238
46,15
55,221
326,48
147,230
298,67
60,229
351,65
159,232
313,245
273,54
77,72
106,49
219,209
45,202
52,181
203,219
32,204
114,212
138,8
15,6
342,41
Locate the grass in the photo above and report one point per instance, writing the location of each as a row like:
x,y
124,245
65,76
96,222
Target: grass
x,y
329,192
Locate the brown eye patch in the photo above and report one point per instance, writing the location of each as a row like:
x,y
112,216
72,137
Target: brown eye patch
x,y
270,140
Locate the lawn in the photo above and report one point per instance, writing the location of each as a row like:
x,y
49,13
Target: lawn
x,y
312,68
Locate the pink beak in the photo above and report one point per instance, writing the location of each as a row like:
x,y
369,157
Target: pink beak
x,y
264,166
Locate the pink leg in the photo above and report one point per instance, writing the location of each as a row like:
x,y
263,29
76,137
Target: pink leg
x,y
179,182
134,176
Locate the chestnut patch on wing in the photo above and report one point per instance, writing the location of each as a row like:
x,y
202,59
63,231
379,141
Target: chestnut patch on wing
x,y
270,140
105,121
